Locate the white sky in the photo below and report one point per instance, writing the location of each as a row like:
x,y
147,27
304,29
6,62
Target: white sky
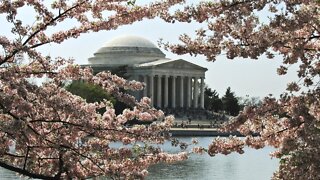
x,y
245,77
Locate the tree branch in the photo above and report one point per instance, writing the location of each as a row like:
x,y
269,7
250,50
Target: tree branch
x,y
26,158
39,30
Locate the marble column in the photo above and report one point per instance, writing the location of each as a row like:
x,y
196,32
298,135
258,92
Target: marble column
x,y
159,91
202,93
145,90
136,93
189,91
151,89
173,100
195,92
166,93
181,91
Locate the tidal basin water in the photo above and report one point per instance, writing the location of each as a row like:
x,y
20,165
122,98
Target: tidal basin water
x,y
252,165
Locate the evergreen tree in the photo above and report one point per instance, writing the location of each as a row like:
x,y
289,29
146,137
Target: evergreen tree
x,y
230,103
211,100
207,98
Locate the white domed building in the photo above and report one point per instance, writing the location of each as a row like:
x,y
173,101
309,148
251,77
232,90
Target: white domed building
x,y
169,83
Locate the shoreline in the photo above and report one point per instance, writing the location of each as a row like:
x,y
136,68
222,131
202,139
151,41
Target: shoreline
x,y
202,132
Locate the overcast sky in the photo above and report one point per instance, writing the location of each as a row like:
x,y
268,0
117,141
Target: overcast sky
x,y
245,77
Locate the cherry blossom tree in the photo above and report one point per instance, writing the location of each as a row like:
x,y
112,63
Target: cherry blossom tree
x,y
47,132
57,135
288,29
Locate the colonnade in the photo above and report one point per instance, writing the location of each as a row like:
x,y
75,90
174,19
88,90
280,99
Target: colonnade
x,y
171,91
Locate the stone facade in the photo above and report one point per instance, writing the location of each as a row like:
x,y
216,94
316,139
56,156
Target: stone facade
x,y
169,83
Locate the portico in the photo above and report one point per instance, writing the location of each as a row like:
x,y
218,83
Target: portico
x,y
171,83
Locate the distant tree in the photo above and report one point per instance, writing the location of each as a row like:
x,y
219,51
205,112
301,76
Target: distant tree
x,y
212,101
90,92
93,93
230,103
207,98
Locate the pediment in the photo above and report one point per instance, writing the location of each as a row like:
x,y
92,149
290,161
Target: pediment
x,y
180,64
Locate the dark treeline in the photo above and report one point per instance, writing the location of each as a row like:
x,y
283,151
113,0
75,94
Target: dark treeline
x,y
228,103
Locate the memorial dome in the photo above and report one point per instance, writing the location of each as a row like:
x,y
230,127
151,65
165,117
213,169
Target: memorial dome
x,y
130,41
127,50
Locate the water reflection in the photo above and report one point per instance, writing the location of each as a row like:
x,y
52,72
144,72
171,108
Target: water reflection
x,y
7,175
252,165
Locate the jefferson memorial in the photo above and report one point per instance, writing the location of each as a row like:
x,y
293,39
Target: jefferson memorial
x,y
169,83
